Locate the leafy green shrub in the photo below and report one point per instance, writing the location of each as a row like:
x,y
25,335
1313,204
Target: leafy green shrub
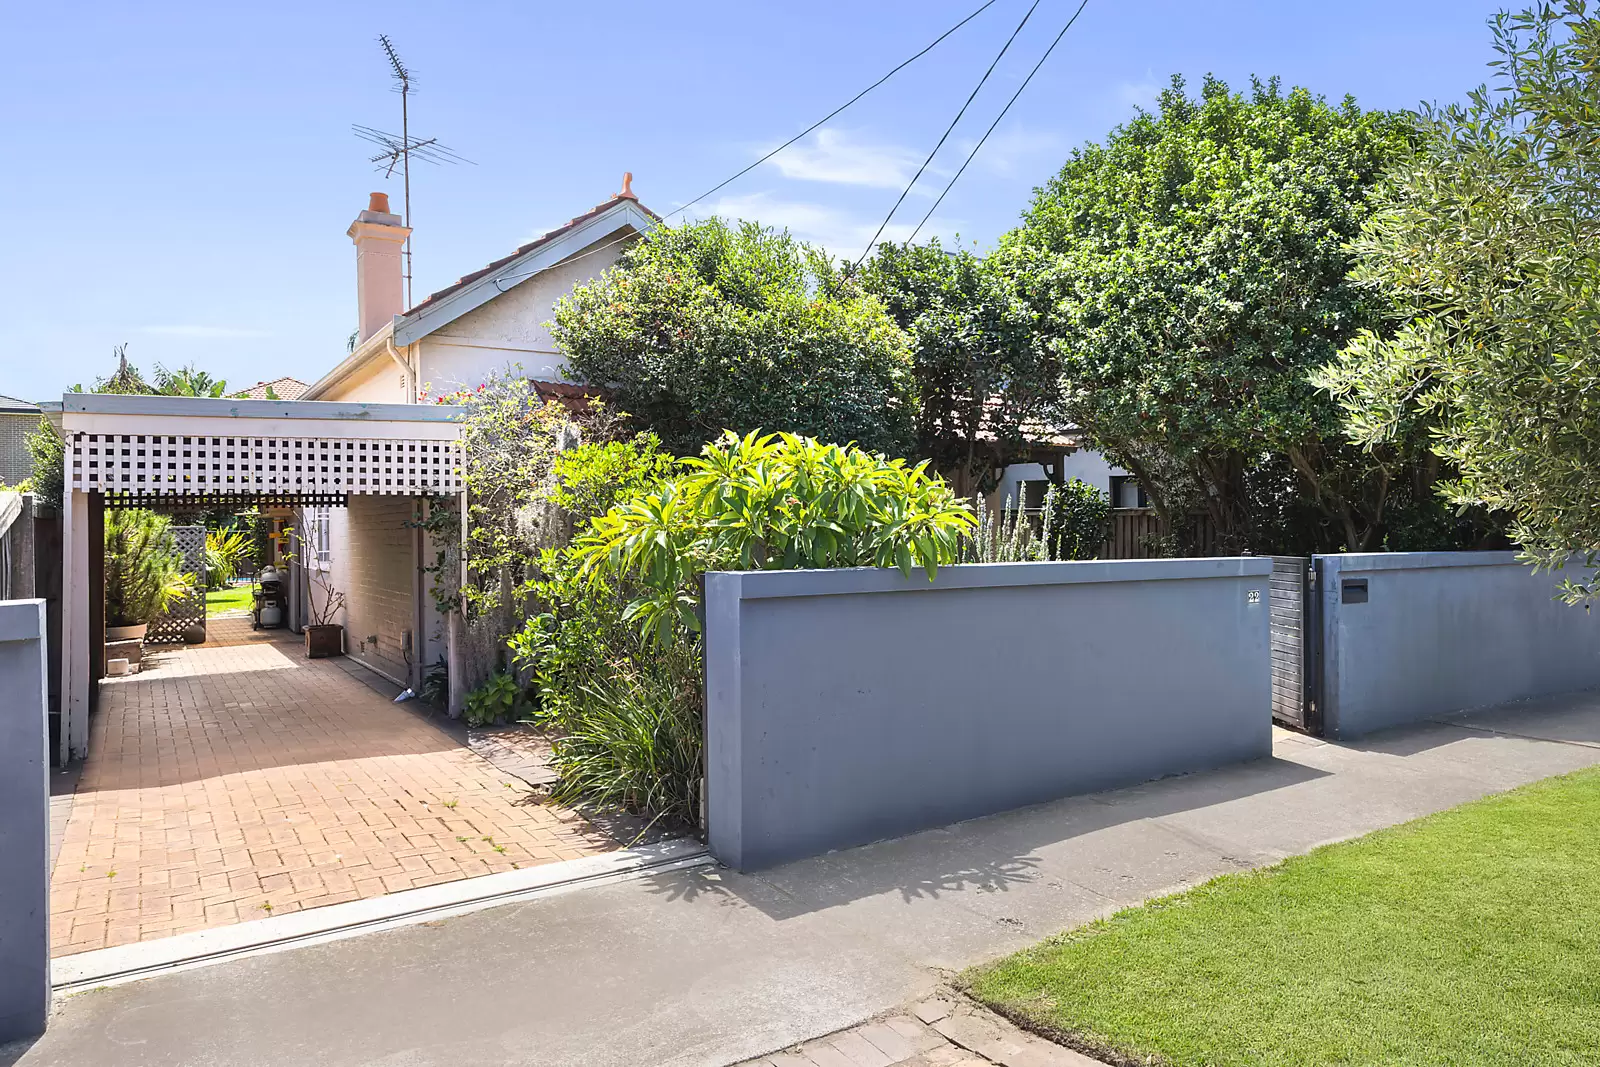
x,y
708,326
144,570
774,502
497,700
615,657
592,478
49,453
1080,521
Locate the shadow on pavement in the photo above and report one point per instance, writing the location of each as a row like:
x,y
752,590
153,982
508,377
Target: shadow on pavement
x,y
986,855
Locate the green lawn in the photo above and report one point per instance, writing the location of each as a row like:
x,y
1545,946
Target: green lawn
x,y
1469,937
230,599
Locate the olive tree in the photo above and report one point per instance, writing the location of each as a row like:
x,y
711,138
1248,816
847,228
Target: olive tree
x,y
1488,245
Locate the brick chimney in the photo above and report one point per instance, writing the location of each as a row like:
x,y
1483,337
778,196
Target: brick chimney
x,y
380,284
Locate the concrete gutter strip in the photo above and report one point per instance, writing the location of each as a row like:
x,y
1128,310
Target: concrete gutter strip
x,y
127,963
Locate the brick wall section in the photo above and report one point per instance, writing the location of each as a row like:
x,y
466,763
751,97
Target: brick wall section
x,y
378,575
16,462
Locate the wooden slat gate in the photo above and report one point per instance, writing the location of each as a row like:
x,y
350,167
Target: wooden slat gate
x,y
1294,644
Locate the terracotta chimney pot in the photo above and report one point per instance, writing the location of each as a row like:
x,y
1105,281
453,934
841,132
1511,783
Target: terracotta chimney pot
x,y
378,202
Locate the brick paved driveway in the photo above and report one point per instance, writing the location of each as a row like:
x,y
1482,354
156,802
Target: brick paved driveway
x,y
237,779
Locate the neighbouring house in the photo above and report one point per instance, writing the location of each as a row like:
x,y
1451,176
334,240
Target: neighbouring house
x,y
277,389
18,420
453,339
1079,463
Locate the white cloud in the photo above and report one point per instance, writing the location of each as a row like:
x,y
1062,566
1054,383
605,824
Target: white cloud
x,y
202,332
843,233
845,158
1144,93
1007,151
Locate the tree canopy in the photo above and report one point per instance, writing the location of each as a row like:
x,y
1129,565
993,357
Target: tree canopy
x,y
1487,243
984,384
1189,274
708,327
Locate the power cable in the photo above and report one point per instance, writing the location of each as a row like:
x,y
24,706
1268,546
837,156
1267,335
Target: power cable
x,y
809,129
981,81
970,155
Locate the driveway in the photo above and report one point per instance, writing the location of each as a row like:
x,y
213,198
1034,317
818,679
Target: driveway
x,y
237,779
702,968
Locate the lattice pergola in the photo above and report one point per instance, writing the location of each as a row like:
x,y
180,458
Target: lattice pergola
x,y
287,456
182,453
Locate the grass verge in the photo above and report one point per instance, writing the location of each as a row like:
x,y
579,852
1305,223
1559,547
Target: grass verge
x,y
233,598
1469,937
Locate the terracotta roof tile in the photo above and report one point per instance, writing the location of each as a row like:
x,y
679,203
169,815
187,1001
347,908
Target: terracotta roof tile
x,y
283,388
542,239
575,398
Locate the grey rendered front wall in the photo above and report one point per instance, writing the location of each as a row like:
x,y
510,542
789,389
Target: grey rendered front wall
x,y
1410,636
847,706
24,822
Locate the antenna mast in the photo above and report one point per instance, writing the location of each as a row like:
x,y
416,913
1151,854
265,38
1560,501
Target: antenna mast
x,y
402,78
399,148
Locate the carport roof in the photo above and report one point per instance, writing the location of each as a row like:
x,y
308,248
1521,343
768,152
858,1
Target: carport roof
x,y
343,410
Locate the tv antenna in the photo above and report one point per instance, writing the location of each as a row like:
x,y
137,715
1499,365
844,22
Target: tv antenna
x,y
399,148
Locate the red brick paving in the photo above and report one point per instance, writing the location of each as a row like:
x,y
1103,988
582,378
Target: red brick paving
x,y
234,775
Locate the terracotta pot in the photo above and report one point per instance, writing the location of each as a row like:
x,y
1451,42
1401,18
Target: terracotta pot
x,y
323,641
126,633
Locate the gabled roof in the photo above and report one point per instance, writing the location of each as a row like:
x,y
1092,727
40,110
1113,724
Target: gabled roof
x,y
622,211
10,405
283,388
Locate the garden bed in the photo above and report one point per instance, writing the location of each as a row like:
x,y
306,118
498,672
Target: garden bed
x,y
1468,937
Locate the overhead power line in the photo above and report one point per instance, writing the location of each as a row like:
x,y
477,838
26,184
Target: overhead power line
x,y
809,129
957,176
947,130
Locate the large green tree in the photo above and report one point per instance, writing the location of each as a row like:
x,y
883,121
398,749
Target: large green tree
x,y
708,327
985,385
1488,245
1190,274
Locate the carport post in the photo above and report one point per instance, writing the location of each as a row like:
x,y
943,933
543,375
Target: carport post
x,y
24,821
75,593
454,651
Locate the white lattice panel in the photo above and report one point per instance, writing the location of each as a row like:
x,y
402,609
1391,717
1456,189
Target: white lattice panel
x,y
166,465
185,619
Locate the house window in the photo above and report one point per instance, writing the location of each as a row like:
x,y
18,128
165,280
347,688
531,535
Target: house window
x,y
1127,493
321,521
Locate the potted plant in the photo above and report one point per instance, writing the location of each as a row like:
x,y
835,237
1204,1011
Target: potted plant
x,y
143,574
324,637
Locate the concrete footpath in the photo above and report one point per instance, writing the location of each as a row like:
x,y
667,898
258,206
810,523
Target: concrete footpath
x,y
706,967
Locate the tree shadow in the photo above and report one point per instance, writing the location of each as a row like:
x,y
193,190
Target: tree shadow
x,y
12,1052
988,855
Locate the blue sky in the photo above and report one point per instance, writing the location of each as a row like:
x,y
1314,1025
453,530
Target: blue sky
x,y
180,176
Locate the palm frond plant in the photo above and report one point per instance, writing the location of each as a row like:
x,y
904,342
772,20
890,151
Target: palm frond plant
x,y
144,570
227,554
